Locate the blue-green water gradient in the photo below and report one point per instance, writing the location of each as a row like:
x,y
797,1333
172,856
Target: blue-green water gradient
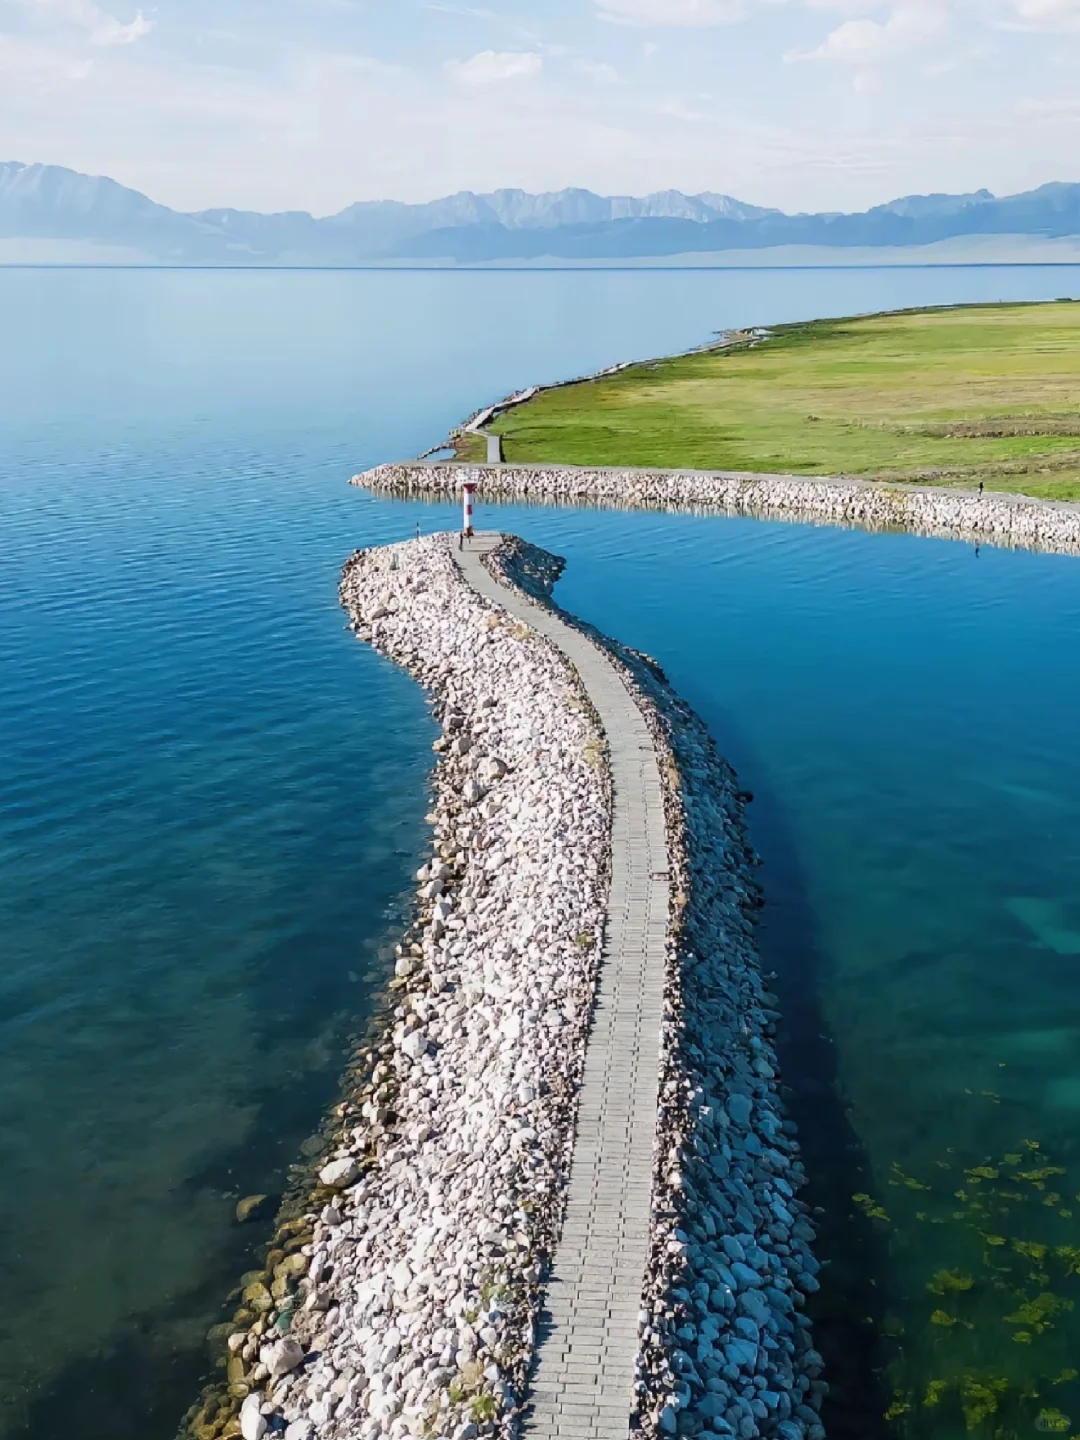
x,y
211,797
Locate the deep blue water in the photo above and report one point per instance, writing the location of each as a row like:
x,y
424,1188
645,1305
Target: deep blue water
x,y
211,801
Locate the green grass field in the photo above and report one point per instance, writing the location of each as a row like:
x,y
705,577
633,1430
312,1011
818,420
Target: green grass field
x,y
944,397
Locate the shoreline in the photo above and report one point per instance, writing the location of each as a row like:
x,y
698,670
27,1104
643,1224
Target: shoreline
x,y
474,425
929,474
995,518
723,1141
408,1302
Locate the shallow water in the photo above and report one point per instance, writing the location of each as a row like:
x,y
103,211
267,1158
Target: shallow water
x,y
211,798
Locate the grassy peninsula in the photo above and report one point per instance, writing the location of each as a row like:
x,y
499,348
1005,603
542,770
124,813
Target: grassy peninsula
x,y
952,397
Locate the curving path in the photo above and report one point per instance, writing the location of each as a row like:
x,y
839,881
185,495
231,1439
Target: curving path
x,y
583,1379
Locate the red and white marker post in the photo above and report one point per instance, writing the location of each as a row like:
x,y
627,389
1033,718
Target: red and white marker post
x,y
470,488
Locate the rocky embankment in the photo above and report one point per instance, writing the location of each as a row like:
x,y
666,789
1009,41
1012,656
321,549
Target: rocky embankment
x,y
406,1303
1012,520
726,1346
416,1298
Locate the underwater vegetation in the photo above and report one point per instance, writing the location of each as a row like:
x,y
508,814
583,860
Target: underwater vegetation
x,y
982,1345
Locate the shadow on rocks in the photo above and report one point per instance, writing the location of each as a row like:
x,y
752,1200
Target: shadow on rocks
x,y
848,1311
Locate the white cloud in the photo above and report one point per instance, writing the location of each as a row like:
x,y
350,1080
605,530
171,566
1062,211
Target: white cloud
x,y
1048,109
597,71
287,114
113,33
39,67
492,67
1050,15
864,42
677,109
697,14
95,24
468,11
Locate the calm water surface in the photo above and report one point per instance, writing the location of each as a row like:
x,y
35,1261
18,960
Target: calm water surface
x,y
211,801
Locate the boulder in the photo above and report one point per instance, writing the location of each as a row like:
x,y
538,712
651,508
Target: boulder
x,y
414,1044
340,1173
281,1357
252,1420
252,1207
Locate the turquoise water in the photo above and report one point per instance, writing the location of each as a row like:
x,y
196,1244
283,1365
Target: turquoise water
x,y
211,801
905,712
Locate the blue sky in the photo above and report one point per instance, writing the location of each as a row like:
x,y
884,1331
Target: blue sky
x,y
310,104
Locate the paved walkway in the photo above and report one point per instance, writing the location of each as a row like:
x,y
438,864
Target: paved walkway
x,y
583,1381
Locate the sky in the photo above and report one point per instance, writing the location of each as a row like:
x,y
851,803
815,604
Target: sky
x,y
312,104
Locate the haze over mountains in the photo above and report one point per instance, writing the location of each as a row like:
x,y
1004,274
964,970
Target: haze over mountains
x,y
50,213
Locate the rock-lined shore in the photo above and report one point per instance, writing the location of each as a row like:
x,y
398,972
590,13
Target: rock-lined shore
x,y
725,1348
1011,520
415,1308
407,1303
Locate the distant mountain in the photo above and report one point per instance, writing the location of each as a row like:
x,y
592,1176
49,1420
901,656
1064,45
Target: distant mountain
x,y
1051,211
49,204
918,207
388,228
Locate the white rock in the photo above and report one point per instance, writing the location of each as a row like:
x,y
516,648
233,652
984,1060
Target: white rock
x,y
415,1044
340,1173
252,1420
281,1357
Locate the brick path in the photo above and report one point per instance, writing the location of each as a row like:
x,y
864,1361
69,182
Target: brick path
x,y
583,1380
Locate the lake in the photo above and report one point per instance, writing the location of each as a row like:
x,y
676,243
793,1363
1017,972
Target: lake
x,y
211,803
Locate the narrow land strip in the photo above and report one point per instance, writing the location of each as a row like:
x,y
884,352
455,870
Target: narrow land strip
x,y
560,1185
997,519
583,1381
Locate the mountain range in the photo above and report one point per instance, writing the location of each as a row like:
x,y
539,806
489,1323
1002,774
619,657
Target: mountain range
x,y
44,207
